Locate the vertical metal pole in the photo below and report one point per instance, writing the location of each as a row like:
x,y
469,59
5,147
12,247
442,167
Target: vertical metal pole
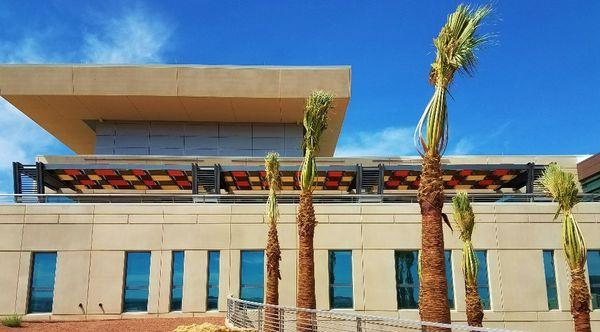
x,y
380,179
281,319
17,190
530,178
359,327
259,312
358,182
217,179
39,181
194,179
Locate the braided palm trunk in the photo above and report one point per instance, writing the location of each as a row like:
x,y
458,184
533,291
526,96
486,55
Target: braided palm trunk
x,y
273,253
580,301
306,263
474,307
433,292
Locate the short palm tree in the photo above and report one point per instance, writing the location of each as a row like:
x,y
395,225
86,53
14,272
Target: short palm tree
x,y
562,187
455,51
464,219
316,109
273,250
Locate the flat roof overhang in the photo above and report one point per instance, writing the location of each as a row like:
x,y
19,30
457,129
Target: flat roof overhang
x,y
63,99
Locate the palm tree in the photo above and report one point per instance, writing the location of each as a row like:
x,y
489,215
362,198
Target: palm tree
x,y
273,251
464,219
455,51
563,189
316,108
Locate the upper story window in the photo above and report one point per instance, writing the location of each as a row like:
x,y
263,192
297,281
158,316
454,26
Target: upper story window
x,y
212,300
407,279
549,273
340,279
483,285
41,288
177,280
137,273
252,275
449,279
593,262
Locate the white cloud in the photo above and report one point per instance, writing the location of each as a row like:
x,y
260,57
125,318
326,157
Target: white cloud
x,y
462,147
137,37
390,141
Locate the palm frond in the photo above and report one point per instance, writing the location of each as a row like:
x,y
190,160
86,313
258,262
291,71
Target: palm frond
x,y
562,186
273,179
464,218
316,111
463,215
455,46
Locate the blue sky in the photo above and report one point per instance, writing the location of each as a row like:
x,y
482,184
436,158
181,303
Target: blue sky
x,y
535,90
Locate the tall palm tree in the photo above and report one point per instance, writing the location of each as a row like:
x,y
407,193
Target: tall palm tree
x,y
563,189
464,219
316,108
455,51
273,250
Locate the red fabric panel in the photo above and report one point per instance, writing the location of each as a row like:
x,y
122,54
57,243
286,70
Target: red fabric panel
x,y
403,173
118,182
466,172
392,184
239,174
87,182
72,171
334,174
105,172
138,172
500,172
486,182
175,172
243,184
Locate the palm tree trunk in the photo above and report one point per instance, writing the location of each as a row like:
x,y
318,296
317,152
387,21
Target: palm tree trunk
x,y
474,307
580,301
273,252
433,293
305,297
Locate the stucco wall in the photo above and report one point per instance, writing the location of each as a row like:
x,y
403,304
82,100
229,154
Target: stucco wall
x,y
91,240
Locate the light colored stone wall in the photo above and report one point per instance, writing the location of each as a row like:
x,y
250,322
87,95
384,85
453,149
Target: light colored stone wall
x,y
91,240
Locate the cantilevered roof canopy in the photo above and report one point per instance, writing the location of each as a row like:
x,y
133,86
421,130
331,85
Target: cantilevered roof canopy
x,y
63,98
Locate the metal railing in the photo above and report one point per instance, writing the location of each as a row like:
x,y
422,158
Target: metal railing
x,y
262,198
269,318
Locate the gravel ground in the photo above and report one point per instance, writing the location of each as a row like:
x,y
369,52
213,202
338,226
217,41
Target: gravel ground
x,y
125,325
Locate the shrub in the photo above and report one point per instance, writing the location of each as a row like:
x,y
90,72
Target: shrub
x,y
12,321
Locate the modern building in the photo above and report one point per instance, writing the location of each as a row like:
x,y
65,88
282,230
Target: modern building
x,y
161,212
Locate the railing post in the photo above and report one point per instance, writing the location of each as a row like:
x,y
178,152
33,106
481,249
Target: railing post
x,y
359,327
281,319
259,319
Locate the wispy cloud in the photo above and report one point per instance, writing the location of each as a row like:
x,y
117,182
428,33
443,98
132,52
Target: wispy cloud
x,y
137,36
390,141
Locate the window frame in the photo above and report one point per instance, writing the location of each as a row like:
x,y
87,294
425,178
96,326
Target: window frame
x,y
208,284
123,304
547,283
487,278
332,286
414,285
173,286
595,305
31,287
252,286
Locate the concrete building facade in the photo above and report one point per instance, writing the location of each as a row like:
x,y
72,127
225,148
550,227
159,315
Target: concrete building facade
x,y
91,211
